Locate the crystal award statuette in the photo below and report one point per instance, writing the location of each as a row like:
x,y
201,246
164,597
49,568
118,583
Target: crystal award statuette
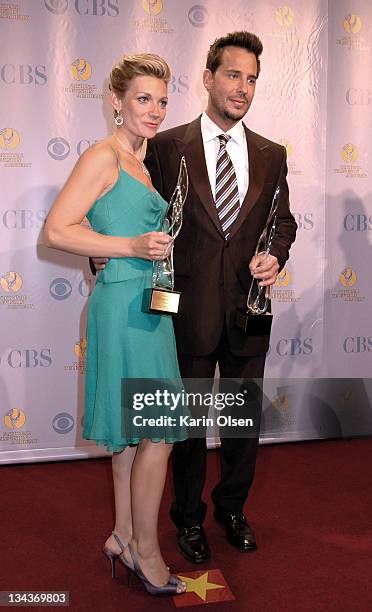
x,y
254,319
161,297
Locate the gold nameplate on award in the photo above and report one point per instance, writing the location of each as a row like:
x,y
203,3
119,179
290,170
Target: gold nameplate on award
x,y
161,298
161,301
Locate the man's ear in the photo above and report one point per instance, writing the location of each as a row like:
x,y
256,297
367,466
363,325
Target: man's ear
x,y
207,79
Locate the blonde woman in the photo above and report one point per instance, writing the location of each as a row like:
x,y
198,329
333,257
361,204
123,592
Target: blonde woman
x,y
111,186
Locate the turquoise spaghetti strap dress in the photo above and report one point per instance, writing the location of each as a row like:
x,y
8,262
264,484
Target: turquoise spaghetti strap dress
x,y
122,341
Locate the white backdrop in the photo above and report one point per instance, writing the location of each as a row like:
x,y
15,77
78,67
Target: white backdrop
x,y
313,95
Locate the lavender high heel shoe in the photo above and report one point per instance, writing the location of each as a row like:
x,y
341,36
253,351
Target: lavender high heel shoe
x,y
114,556
167,590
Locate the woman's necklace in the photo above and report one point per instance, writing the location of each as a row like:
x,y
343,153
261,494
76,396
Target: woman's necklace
x,y
127,149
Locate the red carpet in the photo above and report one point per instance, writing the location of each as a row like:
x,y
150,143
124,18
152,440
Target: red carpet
x,y
311,508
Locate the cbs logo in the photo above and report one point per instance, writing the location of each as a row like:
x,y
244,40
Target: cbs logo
x,y
358,344
58,148
179,84
23,74
96,8
29,358
24,218
358,97
198,16
304,221
63,423
357,223
293,347
60,288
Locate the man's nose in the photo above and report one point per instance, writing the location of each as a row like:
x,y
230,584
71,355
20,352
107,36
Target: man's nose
x,y
242,86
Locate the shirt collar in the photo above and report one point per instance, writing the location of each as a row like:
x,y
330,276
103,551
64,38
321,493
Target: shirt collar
x,y
210,130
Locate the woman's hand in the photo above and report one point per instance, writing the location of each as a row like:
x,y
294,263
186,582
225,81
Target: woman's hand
x,y
153,245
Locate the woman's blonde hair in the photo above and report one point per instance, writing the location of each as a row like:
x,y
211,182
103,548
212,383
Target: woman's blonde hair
x,y
139,64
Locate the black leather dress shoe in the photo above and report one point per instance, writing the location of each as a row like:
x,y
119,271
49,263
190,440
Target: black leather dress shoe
x,y
192,543
238,532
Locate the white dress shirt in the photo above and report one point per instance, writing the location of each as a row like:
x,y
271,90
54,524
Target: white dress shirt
x,y
236,148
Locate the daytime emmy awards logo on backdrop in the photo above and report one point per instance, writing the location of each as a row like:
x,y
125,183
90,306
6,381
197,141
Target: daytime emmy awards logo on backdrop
x,y
14,420
291,163
80,350
285,19
352,25
282,291
13,12
350,169
153,23
11,283
350,293
81,71
10,139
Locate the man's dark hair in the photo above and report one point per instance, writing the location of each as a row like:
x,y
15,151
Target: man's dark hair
x,y
244,40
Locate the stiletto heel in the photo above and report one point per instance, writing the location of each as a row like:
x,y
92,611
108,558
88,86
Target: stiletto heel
x,y
114,556
166,590
129,577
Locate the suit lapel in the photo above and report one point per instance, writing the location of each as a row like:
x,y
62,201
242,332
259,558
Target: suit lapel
x,y
257,171
191,146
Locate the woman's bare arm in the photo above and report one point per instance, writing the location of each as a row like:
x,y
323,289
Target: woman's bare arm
x,y
94,173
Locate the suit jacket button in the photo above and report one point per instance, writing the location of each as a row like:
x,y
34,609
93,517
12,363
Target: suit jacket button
x,y
226,244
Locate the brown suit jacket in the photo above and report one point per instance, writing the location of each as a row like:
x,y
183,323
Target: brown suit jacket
x,y
212,273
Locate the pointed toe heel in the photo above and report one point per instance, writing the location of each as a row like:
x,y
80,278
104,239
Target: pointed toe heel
x,y
170,589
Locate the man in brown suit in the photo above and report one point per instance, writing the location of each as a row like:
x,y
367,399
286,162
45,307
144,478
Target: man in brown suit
x,y
213,270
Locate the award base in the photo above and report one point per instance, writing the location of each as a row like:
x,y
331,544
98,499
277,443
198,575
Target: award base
x,y
251,324
160,301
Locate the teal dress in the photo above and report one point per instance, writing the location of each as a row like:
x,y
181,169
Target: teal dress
x,y
122,341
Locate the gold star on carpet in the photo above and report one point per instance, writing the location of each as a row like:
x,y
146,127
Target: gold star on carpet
x,y
200,585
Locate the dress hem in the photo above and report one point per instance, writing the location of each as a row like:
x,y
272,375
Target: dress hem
x,y
120,446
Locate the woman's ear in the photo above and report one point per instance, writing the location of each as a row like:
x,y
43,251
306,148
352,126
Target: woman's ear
x,y
115,101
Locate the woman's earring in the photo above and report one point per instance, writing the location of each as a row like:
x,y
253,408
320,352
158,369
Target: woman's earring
x,y
118,118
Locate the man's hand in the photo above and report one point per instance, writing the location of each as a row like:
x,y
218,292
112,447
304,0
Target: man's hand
x,y
100,263
265,269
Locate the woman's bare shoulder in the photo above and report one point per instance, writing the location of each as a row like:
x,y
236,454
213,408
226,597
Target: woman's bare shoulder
x,y
100,156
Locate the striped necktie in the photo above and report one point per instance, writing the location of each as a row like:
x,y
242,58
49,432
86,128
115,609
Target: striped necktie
x,y
227,192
